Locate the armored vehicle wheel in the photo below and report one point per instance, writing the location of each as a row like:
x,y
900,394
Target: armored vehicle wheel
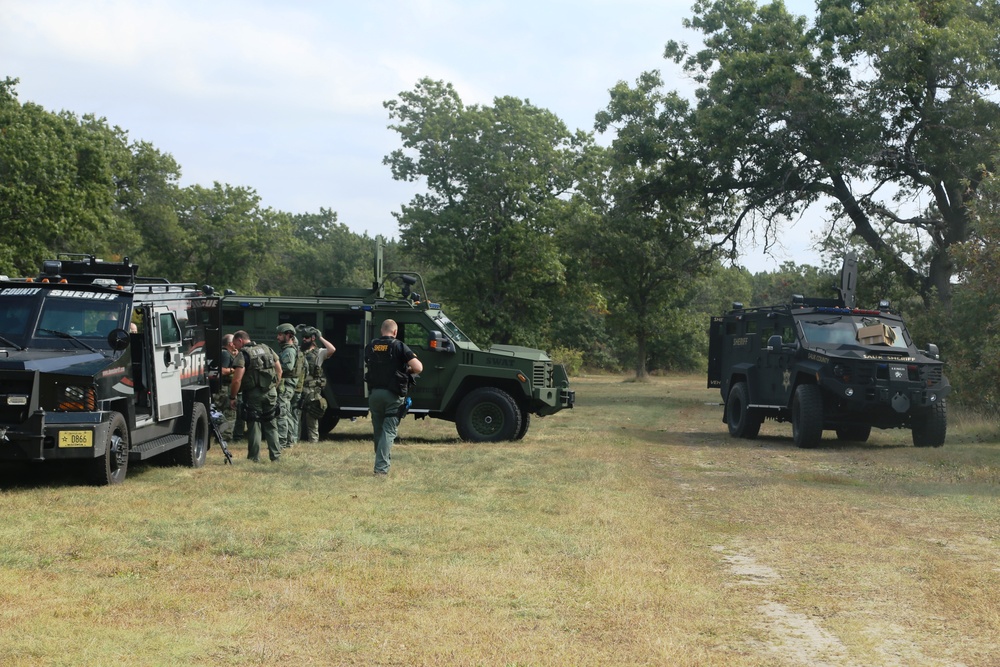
x,y
930,425
807,415
525,423
193,454
327,423
111,467
854,432
744,421
488,414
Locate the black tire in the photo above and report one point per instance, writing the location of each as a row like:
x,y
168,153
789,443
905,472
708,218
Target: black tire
x,y
112,466
327,423
744,421
194,453
854,432
930,425
807,415
525,424
488,414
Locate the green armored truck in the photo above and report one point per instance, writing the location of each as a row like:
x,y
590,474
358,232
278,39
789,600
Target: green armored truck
x,y
490,393
825,364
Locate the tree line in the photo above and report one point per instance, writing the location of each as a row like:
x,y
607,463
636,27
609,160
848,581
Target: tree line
x,y
883,114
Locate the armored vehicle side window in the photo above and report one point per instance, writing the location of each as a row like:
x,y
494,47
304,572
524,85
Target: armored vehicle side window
x,y
414,335
170,333
232,318
751,326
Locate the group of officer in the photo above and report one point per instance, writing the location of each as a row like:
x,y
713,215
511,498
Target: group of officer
x,y
283,392
267,394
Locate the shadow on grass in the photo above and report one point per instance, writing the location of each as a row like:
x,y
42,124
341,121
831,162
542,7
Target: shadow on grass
x,y
725,441
15,475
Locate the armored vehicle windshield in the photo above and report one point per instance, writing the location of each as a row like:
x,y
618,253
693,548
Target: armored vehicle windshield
x,y
37,317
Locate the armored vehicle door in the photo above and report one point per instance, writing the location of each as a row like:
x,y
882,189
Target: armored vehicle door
x,y
164,338
776,378
345,370
416,329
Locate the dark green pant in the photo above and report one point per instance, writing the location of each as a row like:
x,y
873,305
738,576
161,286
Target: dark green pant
x,y
260,402
384,407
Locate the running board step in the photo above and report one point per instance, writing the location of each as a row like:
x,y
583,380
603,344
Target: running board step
x,y
158,446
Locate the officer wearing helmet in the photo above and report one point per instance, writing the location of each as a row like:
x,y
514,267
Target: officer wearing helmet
x,y
287,354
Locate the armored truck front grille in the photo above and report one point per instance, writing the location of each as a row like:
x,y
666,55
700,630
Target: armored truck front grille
x,y
864,374
542,374
932,375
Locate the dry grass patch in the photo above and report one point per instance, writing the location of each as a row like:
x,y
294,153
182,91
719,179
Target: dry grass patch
x,y
629,531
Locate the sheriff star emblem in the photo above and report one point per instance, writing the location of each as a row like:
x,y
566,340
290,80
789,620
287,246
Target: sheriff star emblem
x,y
786,380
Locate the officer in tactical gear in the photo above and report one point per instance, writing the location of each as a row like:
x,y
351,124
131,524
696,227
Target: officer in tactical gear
x,y
221,398
257,374
390,367
286,388
313,402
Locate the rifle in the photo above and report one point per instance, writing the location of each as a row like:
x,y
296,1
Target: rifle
x,y
217,420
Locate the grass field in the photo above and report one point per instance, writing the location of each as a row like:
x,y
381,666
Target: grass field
x,y
631,530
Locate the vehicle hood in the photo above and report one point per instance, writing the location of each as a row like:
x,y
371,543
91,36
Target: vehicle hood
x,y
83,362
518,351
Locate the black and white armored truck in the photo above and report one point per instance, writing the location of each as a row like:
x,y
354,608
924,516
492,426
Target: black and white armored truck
x,y
824,364
99,367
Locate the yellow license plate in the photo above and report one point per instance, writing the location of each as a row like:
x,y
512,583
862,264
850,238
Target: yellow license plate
x,y
76,438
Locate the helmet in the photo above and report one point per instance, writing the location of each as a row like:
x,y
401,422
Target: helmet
x,y
285,328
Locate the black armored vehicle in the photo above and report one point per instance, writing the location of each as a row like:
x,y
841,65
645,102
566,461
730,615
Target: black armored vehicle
x,y
100,366
825,364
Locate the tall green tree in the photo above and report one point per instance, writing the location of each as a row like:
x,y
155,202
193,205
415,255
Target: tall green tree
x,y
149,197
58,185
321,252
970,334
653,238
228,239
498,183
886,108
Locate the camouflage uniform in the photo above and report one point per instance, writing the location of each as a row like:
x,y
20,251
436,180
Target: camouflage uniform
x,y
260,398
286,390
295,429
221,398
312,392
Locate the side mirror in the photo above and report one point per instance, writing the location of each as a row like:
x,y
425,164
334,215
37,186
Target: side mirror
x,y
438,342
932,351
118,339
774,343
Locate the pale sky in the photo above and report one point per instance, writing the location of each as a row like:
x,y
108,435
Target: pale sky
x,y
286,97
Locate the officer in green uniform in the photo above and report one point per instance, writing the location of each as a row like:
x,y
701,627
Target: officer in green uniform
x,y
313,403
389,363
221,398
286,388
257,374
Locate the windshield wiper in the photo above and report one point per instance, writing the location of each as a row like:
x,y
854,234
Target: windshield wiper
x,y
69,336
8,342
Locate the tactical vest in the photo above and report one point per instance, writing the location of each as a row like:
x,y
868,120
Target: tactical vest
x,y
299,373
384,357
315,378
260,360
290,377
